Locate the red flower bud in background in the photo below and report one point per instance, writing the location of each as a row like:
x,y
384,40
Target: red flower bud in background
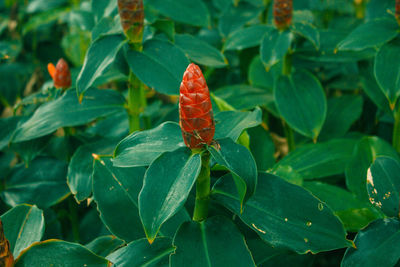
x,y
283,10
397,11
195,110
131,13
6,257
60,74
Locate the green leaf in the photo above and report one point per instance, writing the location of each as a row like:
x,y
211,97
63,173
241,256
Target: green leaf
x,y
23,225
232,123
80,168
160,66
7,127
308,31
104,245
274,47
285,215
383,185
301,102
107,26
66,111
115,191
388,74
200,51
245,96
342,113
241,163
166,186
75,46
142,148
192,12
43,183
320,160
365,153
373,91
59,253
213,242
370,35
141,253
236,16
354,213
100,55
44,18
246,37
377,245
262,147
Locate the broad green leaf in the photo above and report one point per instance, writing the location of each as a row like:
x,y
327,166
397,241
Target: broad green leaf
x,y
301,101
43,5
200,51
13,79
166,186
80,168
377,245
274,47
232,123
44,18
259,77
246,37
307,31
300,222
213,242
160,66
29,150
320,160
365,153
59,253
239,161
107,26
66,111
342,113
387,70
383,185
7,127
236,16
103,8
140,253
43,183
75,46
262,147
100,55
370,34
10,49
373,91
142,148
245,96
354,213
115,191
192,12
23,225
104,245
115,126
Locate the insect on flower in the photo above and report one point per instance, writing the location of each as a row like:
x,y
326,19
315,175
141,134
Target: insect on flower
x,y
131,13
283,10
60,74
6,257
195,110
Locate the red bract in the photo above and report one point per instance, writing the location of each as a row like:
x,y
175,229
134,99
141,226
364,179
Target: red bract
x,y
131,13
283,10
6,257
60,74
195,110
397,11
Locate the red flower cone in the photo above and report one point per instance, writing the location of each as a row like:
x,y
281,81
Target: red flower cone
x,y
131,13
60,74
283,10
195,110
397,11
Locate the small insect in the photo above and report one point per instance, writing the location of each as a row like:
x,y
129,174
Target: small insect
x,y
283,10
60,74
131,13
195,110
6,257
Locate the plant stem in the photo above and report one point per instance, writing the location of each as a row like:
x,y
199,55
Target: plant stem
x,y
287,64
396,130
202,189
73,216
289,136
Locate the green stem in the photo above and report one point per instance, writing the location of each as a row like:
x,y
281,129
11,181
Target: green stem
x,y
396,130
73,216
289,136
287,64
202,189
